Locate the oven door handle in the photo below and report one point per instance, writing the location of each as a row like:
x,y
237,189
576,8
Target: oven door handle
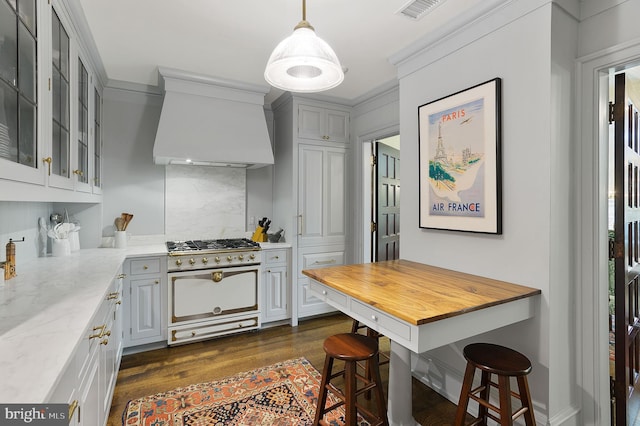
x,y
217,276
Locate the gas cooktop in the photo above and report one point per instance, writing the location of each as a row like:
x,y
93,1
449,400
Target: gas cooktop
x,y
177,247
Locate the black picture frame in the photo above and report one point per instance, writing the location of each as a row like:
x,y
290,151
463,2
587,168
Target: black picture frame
x,y
460,164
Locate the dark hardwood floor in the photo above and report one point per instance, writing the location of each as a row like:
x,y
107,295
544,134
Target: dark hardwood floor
x,y
160,370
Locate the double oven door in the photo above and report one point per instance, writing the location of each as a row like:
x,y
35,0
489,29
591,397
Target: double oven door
x,y
213,302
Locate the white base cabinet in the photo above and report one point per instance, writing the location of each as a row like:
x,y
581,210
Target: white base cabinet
x,y
145,300
276,293
89,379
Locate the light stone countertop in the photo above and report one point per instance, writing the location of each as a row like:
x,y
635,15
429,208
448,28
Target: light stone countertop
x,y
44,312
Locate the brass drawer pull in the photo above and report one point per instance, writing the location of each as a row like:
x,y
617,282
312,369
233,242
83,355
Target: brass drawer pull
x,y
72,408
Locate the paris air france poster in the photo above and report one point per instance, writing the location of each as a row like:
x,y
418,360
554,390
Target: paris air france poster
x,y
460,161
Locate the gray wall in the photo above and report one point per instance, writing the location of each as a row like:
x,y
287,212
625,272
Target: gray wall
x,y
132,182
531,46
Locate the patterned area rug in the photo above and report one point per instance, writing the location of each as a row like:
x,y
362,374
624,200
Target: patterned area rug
x,y
282,394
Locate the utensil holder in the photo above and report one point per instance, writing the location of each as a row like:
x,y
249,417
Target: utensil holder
x,y
60,247
74,240
120,239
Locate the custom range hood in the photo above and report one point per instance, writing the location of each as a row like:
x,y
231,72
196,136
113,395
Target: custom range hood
x,y
212,122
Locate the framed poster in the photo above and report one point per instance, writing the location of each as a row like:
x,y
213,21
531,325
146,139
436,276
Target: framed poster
x,y
460,162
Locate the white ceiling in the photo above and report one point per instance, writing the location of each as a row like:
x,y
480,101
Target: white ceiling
x,y
232,39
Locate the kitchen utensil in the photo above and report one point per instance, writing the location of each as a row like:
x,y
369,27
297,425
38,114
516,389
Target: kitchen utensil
x,y
119,223
127,219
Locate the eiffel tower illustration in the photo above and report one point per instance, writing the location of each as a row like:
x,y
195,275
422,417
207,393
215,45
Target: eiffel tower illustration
x,y
441,156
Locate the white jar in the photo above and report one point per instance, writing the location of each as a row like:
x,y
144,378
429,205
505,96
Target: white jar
x,y
60,247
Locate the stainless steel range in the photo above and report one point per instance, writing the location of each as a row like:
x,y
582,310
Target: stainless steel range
x,y
214,288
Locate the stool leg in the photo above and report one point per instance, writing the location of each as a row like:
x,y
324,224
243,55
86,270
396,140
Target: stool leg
x,y
485,381
525,397
376,360
382,408
322,397
350,394
505,401
463,403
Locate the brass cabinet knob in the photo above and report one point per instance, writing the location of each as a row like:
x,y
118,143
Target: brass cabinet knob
x,y
192,262
229,258
205,260
178,262
240,257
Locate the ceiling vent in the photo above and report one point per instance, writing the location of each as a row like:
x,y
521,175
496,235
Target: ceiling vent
x,y
416,9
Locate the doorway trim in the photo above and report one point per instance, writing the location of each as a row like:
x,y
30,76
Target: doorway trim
x,y
591,269
362,167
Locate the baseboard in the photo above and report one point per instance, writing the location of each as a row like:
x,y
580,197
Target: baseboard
x,y
570,416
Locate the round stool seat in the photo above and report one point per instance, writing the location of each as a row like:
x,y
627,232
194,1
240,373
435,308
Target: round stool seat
x,y
497,359
350,347
505,364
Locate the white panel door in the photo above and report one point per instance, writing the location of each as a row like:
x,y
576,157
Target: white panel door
x,y
146,315
321,196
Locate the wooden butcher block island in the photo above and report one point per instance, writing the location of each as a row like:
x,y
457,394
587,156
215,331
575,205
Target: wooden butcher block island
x,y
400,297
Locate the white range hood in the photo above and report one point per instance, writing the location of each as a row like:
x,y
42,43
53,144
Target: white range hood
x,y
210,121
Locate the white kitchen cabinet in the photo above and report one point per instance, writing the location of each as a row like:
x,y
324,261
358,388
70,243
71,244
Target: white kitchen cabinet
x,y
145,300
313,258
310,186
275,294
321,195
321,123
89,379
56,130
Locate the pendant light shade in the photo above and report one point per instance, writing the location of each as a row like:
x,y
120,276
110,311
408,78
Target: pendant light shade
x,y
303,62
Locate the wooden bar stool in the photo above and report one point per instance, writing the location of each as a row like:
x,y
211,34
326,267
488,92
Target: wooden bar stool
x,y
504,363
351,348
382,358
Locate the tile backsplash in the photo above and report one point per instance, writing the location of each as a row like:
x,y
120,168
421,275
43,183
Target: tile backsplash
x,y
204,202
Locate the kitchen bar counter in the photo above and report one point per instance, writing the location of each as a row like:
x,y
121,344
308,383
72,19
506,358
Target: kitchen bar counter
x,y
44,312
418,293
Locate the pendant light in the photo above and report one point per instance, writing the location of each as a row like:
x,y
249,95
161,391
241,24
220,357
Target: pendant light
x,y
303,62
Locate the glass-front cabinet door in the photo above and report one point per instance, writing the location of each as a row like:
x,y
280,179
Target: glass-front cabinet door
x,y
82,134
19,92
60,154
97,142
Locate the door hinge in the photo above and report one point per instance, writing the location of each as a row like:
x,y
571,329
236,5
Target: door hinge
x,y
616,250
374,160
374,227
611,112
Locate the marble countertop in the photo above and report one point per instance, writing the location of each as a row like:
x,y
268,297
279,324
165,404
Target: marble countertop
x,y
44,312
